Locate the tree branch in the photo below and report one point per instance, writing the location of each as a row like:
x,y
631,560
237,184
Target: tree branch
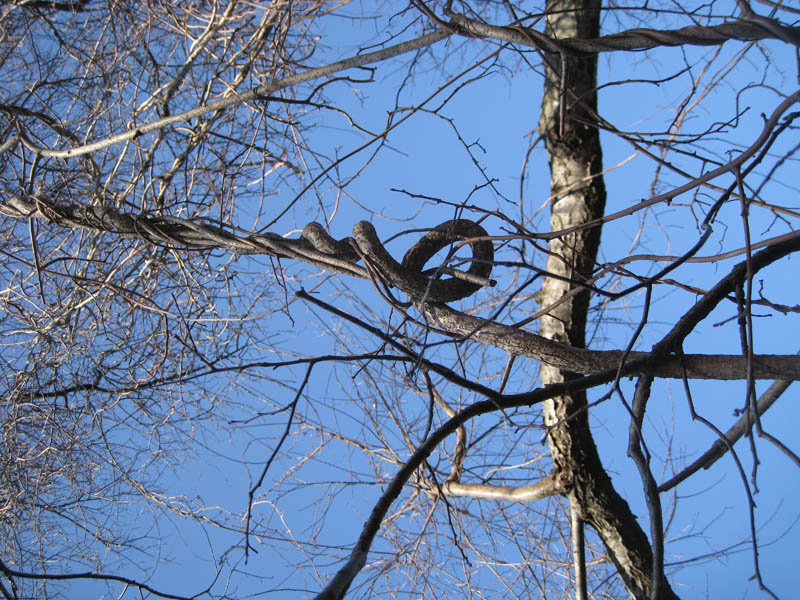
x,y
551,485
721,446
173,231
237,99
747,29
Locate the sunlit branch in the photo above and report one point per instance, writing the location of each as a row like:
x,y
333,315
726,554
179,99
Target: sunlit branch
x,y
236,99
767,135
578,539
550,485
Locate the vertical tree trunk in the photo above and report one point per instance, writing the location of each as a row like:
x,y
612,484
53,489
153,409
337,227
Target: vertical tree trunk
x,y
578,194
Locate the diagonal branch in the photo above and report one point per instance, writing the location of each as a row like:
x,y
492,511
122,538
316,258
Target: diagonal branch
x,y
237,99
338,585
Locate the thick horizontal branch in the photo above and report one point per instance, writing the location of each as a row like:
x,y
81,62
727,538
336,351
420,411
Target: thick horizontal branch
x,y
579,360
550,485
747,29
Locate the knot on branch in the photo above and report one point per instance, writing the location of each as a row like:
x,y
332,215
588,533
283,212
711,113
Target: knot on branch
x,y
419,285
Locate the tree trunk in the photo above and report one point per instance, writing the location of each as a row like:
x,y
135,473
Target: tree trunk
x,y
578,196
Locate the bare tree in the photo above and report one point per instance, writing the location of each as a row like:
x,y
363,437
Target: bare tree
x,y
188,351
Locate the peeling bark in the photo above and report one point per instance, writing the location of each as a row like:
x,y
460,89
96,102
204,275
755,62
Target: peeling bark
x,y
575,156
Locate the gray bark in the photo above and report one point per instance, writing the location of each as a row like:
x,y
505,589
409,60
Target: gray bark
x,y
575,157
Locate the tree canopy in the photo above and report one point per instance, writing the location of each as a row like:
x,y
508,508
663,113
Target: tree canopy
x,y
430,299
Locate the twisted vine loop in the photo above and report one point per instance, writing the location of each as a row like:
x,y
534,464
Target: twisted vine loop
x,y
315,246
409,276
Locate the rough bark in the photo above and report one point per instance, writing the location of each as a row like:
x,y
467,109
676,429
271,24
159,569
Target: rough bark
x,y
578,196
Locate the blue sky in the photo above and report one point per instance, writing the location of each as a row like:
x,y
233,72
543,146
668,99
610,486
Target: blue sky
x,y
426,158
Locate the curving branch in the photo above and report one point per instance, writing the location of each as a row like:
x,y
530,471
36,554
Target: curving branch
x,y
315,246
747,29
339,584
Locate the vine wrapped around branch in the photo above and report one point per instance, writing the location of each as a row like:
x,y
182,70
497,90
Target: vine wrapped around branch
x,y
315,246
